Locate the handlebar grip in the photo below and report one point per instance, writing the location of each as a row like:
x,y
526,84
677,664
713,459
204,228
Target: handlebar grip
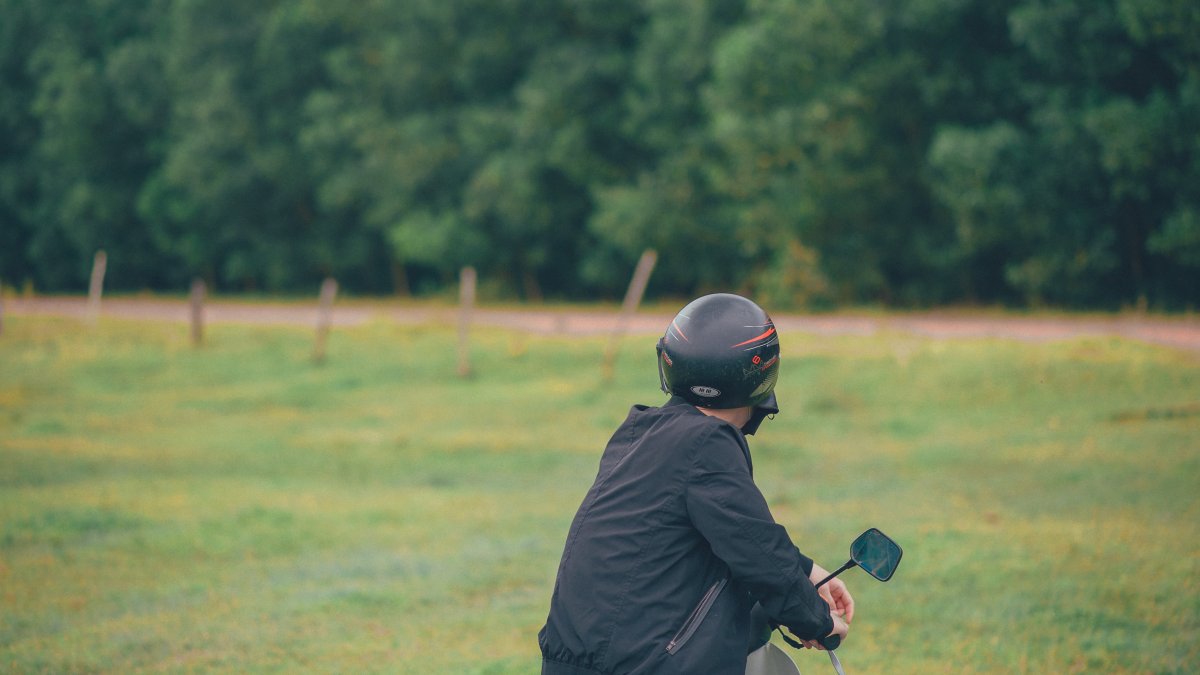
x,y
831,642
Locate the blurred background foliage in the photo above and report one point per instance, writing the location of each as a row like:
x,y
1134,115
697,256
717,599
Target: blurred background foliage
x,y
809,152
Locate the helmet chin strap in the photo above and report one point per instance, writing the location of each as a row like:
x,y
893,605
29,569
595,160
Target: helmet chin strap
x,y
764,410
757,415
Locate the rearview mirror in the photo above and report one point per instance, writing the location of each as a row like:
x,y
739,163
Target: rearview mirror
x,y
876,553
873,551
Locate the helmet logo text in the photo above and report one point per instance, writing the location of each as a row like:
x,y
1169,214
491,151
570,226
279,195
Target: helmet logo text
x,y
707,392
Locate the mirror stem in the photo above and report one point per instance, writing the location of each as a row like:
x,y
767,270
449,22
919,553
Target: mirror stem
x,y
843,568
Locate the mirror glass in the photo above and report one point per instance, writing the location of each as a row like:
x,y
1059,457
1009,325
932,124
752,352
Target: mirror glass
x,y
876,553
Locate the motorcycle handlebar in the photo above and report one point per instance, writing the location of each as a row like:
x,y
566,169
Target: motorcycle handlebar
x,y
831,642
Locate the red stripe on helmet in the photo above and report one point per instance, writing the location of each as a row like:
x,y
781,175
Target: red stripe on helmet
x,y
755,339
679,330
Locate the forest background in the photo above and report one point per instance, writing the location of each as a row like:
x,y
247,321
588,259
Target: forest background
x,y
810,153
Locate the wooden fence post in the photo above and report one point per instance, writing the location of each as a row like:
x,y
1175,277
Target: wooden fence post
x,y
96,287
197,303
329,290
633,298
466,299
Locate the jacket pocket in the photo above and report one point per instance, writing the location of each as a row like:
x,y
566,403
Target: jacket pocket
x,y
696,617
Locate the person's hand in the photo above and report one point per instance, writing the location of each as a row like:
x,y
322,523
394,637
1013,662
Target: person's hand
x,y
834,592
840,629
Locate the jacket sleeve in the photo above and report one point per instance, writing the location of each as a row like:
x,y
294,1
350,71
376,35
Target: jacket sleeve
x,y
731,513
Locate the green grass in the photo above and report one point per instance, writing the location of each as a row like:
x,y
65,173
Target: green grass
x,y
237,508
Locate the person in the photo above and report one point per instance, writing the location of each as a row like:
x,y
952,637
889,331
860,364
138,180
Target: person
x,y
673,545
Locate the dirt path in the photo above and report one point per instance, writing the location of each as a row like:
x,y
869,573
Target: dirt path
x,y
1182,332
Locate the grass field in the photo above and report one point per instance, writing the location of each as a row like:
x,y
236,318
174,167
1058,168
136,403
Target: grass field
x,y
237,508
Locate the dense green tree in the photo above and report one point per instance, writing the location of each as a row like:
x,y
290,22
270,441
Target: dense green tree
x,y
94,143
18,136
421,94
534,197
1090,172
1169,29
233,195
804,151
818,109
666,199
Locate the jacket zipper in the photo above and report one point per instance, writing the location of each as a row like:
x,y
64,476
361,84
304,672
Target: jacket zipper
x,y
696,617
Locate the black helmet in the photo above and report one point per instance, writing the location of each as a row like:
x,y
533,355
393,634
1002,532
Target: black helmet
x,y
721,351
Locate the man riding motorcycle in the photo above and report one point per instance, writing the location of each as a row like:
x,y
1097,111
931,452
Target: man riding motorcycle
x,y
674,544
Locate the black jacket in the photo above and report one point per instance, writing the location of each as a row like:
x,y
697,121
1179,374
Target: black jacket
x,y
669,551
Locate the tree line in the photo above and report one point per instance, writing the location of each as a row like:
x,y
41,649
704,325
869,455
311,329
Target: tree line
x,y
808,152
